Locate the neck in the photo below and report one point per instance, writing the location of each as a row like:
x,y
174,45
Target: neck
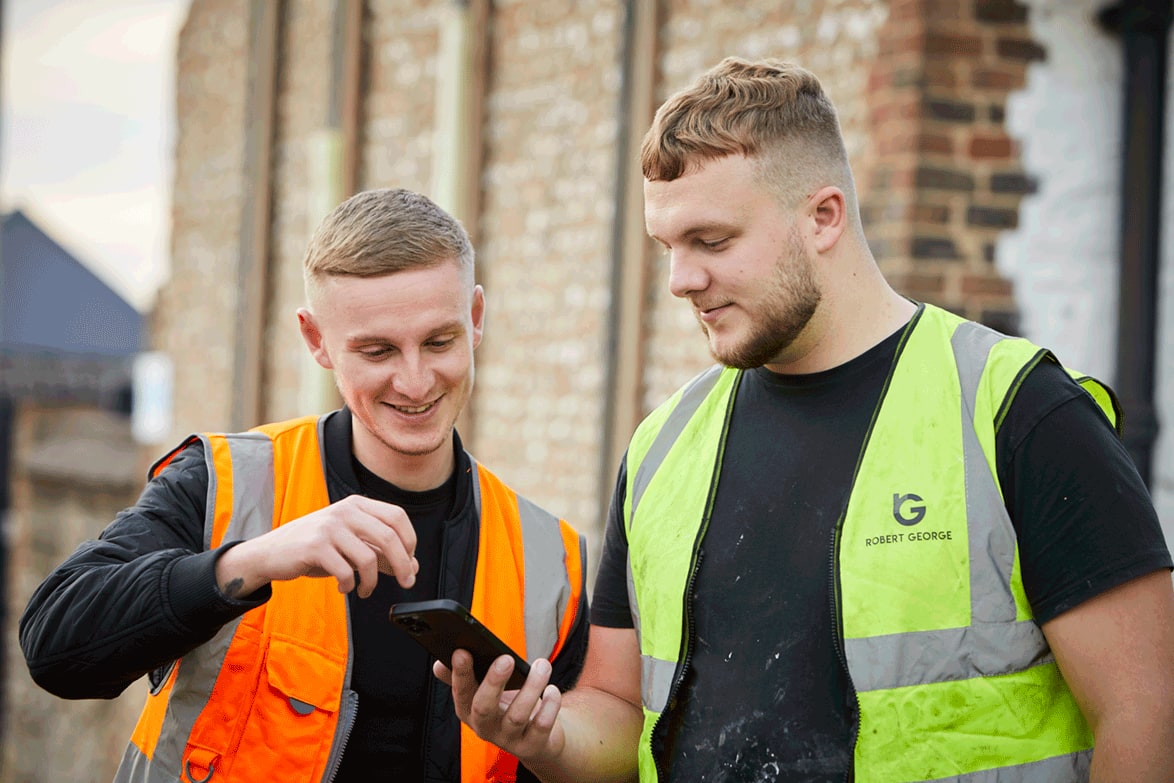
x,y
858,309
413,472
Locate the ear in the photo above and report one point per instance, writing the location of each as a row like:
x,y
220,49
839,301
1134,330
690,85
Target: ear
x,y
829,212
478,314
313,337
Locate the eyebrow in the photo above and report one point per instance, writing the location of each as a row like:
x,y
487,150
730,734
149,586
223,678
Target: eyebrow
x,y
452,326
700,228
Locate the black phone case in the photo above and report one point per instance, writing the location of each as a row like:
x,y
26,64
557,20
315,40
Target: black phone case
x,y
443,625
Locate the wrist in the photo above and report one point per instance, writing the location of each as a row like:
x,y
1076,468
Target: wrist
x,y
235,578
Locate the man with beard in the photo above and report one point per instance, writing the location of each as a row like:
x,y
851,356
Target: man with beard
x,y
253,578
876,542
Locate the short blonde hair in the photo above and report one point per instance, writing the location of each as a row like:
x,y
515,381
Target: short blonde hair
x,y
379,232
769,110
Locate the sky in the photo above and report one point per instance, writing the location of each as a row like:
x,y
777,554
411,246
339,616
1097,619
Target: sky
x,y
87,130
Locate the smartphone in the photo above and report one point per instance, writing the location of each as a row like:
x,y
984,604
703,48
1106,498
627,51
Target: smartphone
x,y
443,625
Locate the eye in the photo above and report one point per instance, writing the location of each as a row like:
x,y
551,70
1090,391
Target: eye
x,y
375,352
714,244
440,345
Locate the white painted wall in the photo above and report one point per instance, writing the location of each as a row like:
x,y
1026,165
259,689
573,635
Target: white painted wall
x,y
1062,258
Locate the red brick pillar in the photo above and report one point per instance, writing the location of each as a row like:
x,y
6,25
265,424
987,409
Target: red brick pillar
x,y
947,177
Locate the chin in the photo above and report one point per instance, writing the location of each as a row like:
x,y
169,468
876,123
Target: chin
x,y
415,446
725,353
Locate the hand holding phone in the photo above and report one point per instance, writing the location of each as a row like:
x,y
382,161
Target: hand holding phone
x,y
443,626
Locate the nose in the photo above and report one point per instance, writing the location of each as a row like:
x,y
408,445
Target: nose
x,y
413,378
686,275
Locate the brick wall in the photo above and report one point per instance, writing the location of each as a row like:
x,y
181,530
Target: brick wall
x,y
947,177
302,96
196,308
549,184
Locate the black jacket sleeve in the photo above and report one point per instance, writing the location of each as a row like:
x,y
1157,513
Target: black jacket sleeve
x,y
136,598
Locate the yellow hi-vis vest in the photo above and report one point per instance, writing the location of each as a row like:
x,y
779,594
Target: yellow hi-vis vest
x,y
954,678
268,697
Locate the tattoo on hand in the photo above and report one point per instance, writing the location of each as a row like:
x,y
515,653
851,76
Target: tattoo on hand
x,y
233,588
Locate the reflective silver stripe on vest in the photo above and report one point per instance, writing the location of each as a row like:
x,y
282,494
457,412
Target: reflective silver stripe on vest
x,y
995,642
991,600
252,515
136,768
1059,769
656,680
548,584
252,487
691,398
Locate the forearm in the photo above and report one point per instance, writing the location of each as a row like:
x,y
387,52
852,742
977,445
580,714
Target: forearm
x,y
1138,748
602,733
132,600
238,571
96,625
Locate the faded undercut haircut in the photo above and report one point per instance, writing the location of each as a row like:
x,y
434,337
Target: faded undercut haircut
x,y
379,232
773,112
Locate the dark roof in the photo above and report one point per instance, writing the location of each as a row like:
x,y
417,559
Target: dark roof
x,y
63,332
49,301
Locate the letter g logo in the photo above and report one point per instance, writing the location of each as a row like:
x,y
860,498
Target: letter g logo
x,y
918,512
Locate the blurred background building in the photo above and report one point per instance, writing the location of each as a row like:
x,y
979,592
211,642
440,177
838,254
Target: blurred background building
x,y
68,463
1011,159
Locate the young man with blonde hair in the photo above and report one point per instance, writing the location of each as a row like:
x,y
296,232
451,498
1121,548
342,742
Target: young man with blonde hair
x,y
252,580
876,542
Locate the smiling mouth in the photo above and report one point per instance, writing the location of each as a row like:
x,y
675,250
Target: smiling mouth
x,y
414,409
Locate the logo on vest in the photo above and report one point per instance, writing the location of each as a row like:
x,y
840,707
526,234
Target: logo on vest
x,y
917,513
909,510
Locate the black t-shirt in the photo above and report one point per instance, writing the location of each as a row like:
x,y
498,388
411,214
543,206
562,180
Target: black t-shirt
x,y
391,672
765,697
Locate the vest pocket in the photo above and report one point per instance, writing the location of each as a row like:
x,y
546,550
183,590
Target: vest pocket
x,y
292,721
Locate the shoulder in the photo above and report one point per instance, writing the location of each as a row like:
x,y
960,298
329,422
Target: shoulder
x,y
290,427
686,401
493,489
1083,516
1044,389
186,457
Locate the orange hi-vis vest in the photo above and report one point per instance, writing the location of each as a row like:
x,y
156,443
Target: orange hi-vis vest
x,y
268,697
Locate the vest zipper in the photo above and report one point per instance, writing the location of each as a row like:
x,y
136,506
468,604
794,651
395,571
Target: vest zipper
x,y
348,707
838,642
687,635
686,640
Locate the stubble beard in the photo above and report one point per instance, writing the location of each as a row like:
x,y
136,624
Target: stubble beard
x,y
418,451
792,298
